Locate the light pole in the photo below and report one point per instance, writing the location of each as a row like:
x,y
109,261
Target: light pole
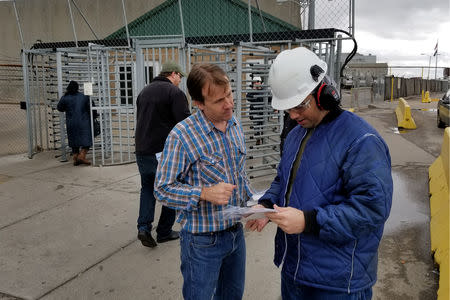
x,y
429,64
428,77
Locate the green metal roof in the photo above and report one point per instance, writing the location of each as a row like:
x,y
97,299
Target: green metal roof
x,y
202,18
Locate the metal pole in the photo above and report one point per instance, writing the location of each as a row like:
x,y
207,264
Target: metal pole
x,y
73,24
421,84
352,7
429,65
311,14
126,23
338,61
435,70
28,103
239,82
262,20
181,21
140,63
62,119
18,25
250,28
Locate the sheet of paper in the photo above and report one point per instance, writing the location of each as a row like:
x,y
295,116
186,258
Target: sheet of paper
x,y
87,88
236,212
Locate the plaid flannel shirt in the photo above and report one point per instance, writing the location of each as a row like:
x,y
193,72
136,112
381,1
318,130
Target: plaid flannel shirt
x,y
197,154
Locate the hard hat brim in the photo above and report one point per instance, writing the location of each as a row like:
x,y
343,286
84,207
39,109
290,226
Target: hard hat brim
x,y
284,104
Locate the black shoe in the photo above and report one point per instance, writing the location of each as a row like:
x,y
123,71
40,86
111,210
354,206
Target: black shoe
x,y
146,239
173,235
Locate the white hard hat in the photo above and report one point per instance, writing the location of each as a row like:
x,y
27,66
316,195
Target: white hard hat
x,y
257,78
293,75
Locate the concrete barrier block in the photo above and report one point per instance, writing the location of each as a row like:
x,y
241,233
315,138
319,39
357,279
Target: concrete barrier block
x,y
440,215
445,153
444,290
404,117
439,227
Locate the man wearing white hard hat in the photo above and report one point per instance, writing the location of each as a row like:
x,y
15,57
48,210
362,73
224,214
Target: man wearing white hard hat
x,y
256,99
333,189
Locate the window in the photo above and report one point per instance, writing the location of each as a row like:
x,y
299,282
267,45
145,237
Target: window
x,y
126,77
148,74
126,85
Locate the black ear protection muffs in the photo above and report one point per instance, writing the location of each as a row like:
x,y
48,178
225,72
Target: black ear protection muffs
x,y
327,96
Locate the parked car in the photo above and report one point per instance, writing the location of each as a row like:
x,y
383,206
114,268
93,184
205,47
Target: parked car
x,y
347,82
443,117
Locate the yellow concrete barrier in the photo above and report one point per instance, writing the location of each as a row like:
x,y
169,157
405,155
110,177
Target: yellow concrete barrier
x,y
439,211
404,117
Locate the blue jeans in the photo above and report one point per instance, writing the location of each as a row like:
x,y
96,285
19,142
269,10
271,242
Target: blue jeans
x,y
291,290
213,264
147,165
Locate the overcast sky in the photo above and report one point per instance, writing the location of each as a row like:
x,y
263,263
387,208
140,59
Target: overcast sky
x,y
399,31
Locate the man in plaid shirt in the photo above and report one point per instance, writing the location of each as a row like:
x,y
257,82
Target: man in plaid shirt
x,y
201,171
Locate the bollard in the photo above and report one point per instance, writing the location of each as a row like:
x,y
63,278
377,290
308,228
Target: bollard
x,y
427,98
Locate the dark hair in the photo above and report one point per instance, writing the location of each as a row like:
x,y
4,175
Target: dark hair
x,y
203,74
72,88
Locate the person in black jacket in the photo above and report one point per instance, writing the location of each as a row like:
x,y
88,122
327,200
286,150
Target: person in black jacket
x,y
78,122
160,106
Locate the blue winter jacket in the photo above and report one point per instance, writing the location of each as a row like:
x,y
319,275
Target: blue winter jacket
x,y
78,119
345,177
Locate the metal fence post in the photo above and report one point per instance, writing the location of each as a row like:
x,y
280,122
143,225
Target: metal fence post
x,y
28,103
62,119
238,82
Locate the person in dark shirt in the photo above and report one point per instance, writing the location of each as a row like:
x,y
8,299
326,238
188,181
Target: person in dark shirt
x,y
78,122
160,106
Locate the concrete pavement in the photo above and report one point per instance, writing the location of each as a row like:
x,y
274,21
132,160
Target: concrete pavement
x,y
70,232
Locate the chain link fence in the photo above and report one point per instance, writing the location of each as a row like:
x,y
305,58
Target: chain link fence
x,y
13,120
74,23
